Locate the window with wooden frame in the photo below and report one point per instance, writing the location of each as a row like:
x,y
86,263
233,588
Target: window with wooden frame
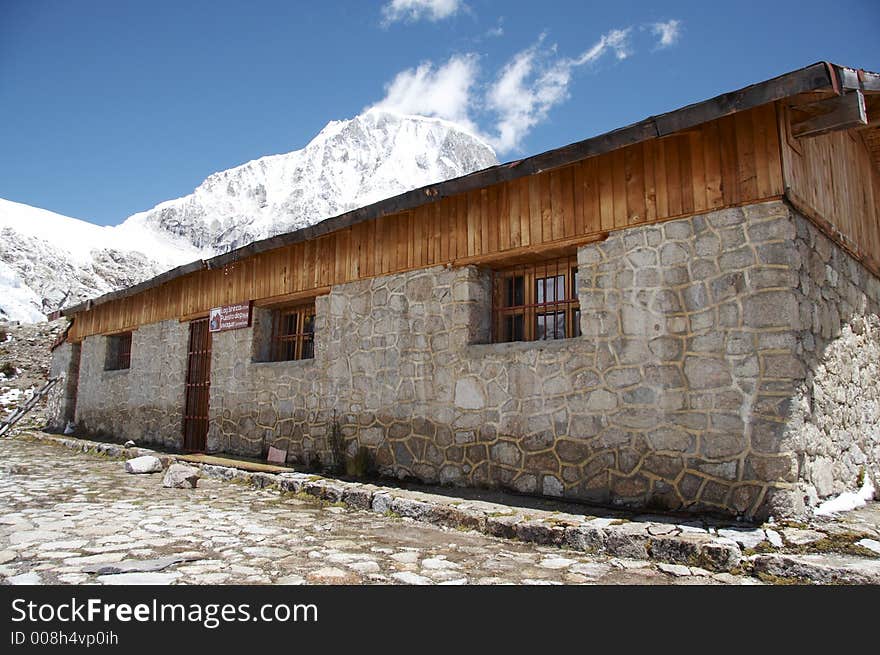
x,y
536,302
118,352
293,333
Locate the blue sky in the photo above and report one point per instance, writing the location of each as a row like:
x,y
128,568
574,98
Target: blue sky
x,y
108,107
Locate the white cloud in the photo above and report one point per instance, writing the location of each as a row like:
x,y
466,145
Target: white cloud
x,y
413,10
440,91
668,32
532,83
519,97
498,30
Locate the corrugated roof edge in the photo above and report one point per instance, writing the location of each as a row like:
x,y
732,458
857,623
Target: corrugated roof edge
x,y
818,76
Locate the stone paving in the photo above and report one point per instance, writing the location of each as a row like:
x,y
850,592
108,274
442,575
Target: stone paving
x,y
77,518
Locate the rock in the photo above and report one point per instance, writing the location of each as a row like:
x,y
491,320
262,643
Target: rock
x,y
381,502
138,566
266,551
826,568
678,549
291,580
7,556
556,563
720,555
129,444
332,575
24,579
438,564
100,558
675,569
591,570
34,536
774,538
409,507
588,538
144,464
411,578
627,540
138,579
406,557
871,544
364,567
745,538
503,526
180,476
540,532
800,537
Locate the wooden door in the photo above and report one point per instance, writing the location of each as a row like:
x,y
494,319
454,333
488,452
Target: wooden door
x,y
198,385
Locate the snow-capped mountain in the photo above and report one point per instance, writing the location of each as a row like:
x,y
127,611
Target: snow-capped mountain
x,y
48,260
349,164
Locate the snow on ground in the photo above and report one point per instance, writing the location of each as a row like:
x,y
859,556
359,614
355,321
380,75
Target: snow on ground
x,y
11,398
848,500
80,238
17,301
48,260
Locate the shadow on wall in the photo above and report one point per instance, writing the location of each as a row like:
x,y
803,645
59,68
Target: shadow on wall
x,y
834,418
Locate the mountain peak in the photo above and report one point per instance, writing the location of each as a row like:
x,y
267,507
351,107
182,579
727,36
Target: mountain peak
x,y
349,164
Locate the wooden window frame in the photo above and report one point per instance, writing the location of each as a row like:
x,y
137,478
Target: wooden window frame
x,y
517,313
118,357
293,333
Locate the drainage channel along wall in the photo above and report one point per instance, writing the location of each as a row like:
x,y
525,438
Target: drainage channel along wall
x,y
728,362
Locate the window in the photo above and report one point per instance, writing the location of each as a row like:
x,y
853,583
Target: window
x,y
118,352
537,302
293,333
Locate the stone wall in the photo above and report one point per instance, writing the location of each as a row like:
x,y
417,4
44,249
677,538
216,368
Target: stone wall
x,y
676,396
728,363
61,400
834,422
143,402
255,404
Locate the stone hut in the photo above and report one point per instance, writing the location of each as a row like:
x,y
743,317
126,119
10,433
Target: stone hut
x,y
681,314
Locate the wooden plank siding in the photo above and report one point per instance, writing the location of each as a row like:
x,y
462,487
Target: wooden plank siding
x,y
832,179
734,160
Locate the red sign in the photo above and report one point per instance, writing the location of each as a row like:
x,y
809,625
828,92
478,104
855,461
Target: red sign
x,y
230,317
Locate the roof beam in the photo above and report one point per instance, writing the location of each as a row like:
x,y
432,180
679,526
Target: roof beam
x,y
861,80
838,113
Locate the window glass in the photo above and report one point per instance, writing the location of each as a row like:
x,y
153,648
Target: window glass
x,y
537,302
551,326
118,355
294,333
515,291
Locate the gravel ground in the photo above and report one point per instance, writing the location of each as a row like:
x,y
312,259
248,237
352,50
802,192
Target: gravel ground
x,y
68,517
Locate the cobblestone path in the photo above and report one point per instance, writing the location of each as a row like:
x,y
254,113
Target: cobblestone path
x,y
65,516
